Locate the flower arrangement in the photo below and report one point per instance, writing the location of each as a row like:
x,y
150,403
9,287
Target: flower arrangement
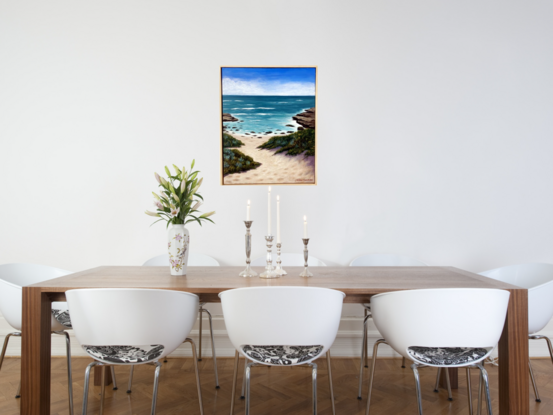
x,y
179,200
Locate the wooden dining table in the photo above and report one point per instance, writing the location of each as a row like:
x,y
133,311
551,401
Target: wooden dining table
x,y
358,283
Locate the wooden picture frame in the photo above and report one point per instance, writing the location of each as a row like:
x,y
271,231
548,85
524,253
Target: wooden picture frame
x,y
268,125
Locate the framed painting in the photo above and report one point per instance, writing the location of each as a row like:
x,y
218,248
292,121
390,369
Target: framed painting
x,y
268,119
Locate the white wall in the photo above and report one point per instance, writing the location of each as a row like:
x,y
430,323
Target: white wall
x,y
434,128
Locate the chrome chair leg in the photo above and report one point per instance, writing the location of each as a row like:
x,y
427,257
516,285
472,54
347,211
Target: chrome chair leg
x,y
366,339
113,378
234,378
469,390
484,374
436,387
330,382
243,394
363,356
371,378
418,386
4,348
314,380
548,340
86,386
200,335
213,348
533,381
480,383
69,376
103,390
199,386
247,377
449,396
156,384
129,390
550,347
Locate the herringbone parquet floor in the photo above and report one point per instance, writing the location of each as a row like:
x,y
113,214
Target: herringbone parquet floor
x,y
275,391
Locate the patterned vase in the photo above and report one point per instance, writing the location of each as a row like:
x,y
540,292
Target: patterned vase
x,y
178,245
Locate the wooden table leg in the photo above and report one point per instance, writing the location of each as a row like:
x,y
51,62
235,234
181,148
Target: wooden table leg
x,y
35,352
98,376
514,390
453,378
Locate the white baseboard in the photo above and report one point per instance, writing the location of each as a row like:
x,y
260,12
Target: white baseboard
x,y
347,344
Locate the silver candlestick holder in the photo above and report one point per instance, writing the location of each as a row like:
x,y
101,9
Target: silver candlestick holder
x,y
269,269
248,272
305,273
278,268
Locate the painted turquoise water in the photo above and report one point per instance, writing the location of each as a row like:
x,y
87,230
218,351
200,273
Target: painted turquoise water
x,y
262,114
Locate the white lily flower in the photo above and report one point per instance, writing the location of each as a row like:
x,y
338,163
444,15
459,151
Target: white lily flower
x,y
174,211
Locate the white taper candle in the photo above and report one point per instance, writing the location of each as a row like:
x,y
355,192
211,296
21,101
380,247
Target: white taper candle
x,y
248,211
305,227
269,213
278,219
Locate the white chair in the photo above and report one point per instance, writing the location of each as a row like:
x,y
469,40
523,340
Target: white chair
x,y
290,260
134,327
277,326
12,279
451,338
381,260
195,259
538,279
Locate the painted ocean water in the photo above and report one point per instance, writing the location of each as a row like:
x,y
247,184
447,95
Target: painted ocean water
x,y
262,113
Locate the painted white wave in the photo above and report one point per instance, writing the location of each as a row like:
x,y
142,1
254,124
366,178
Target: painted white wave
x,y
238,100
264,108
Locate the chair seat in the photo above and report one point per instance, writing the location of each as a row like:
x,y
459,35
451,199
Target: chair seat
x,y
125,354
62,317
446,356
282,355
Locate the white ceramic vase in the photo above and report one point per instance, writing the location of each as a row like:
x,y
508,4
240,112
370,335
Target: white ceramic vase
x,y
178,245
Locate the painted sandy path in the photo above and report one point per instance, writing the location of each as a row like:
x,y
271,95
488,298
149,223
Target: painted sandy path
x,y
275,168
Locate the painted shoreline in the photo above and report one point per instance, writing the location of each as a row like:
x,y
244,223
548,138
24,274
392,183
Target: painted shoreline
x,y
275,168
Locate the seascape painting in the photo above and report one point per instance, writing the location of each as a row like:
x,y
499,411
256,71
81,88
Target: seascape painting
x,y
268,125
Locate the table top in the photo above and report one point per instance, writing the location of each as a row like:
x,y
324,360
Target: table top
x,y
358,283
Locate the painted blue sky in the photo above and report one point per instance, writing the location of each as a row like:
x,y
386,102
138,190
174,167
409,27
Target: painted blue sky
x,y
268,81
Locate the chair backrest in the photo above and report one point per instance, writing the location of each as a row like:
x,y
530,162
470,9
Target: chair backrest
x,y
283,316
132,317
289,260
538,279
195,259
448,317
13,277
385,260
